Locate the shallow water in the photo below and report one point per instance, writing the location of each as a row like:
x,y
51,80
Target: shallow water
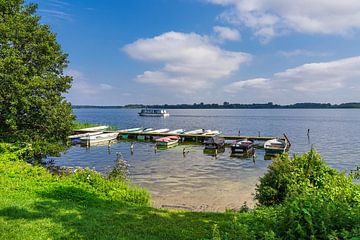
x,y
203,182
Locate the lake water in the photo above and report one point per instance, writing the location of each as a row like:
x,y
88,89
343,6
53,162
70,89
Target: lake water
x,y
202,182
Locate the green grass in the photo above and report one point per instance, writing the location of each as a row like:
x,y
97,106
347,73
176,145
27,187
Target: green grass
x,y
35,204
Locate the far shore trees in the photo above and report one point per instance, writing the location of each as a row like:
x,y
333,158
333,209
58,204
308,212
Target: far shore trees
x,y
32,107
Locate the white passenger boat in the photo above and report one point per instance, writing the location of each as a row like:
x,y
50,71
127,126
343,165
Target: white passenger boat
x,y
177,131
101,138
153,113
196,131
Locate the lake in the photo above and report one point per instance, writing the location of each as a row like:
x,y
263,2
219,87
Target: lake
x,y
202,182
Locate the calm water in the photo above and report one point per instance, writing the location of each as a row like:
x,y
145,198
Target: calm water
x,y
202,182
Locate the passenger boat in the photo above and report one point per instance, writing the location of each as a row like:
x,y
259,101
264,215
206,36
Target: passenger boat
x,y
214,142
153,113
167,141
243,147
96,139
177,131
76,138
276,146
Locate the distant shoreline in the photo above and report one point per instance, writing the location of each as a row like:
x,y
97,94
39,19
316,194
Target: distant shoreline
x,y
226,105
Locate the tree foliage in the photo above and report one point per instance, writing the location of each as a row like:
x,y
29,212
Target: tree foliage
x,y
32,107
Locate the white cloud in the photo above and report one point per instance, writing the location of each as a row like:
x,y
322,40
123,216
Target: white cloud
x,y
273,17
225,33
308,78
260,83
302,52
190,61
81,84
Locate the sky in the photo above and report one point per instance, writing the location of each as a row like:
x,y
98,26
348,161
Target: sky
x,y
190,51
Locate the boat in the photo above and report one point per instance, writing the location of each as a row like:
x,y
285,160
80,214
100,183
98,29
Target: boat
x,y
145,130
153,113
211,132
163,130
276,146
92,129
124,132
214,142
76,138
243,147
167,141
195,132
96,139
177,131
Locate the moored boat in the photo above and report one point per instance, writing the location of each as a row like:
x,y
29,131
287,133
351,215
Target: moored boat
x,y
276,146
167,141
194,132
96,139
214,142
211,132
177,131
153,113
76,138
163,130
243,147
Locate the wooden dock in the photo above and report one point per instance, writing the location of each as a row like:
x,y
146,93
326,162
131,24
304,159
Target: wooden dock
x,y
187,137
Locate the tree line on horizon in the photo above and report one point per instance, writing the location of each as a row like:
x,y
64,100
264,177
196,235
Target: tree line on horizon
x,y
227,105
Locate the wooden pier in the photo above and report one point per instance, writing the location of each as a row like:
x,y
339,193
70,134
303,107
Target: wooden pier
x,y
188,137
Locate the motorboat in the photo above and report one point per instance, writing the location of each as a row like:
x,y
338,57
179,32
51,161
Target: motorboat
x,y
214,142
167,141
243,147
100,138
276,146
153,113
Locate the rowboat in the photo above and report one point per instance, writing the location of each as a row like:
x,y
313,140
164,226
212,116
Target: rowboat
x,y
243,147
276,146
194,132
124,132
211,132
163,130
92,129
177,131
100,138
167,141
145,130
76,138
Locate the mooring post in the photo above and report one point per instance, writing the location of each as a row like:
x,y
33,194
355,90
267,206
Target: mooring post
x,y
259,133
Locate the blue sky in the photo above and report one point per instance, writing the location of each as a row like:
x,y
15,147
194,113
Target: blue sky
x,y
186,51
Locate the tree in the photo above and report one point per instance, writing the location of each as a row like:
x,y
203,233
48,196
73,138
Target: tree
x,y
32,106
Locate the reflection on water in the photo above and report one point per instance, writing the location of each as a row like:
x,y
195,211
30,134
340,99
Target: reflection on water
x,y
206,182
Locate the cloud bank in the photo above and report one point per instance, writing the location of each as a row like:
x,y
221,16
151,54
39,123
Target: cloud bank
x,y
190,62
273,17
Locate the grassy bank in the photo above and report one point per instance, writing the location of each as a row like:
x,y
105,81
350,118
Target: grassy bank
x,y
35,204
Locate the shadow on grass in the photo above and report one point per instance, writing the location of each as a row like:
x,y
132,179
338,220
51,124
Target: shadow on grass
x,y
84,215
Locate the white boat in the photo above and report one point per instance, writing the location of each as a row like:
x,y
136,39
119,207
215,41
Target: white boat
x,y
211,132
276,146
147,130
104,137
163,130
194,132
92,129
131,130
76,138
177,131
153,113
